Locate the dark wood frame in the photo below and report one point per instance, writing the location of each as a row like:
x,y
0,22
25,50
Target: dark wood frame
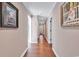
x,y
1,15
61,15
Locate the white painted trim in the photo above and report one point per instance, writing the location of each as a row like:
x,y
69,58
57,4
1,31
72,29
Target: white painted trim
x,y
55,52
46,39
24,52
33,42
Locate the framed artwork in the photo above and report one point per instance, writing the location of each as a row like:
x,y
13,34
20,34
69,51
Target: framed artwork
x,y
70,14
8,15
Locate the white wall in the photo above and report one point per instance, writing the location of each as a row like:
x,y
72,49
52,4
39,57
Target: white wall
x,y
48,30
34,29
41,29
66,40
13,41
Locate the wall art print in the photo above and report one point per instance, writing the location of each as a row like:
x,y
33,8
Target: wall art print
x,y
8,15
70,14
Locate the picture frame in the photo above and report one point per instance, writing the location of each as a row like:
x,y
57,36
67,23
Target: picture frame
x,y
8,15
70,14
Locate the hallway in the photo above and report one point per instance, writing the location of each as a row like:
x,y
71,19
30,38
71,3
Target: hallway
x,y
42,49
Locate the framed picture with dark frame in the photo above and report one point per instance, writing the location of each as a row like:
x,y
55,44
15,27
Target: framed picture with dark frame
x,y
8,15
70,14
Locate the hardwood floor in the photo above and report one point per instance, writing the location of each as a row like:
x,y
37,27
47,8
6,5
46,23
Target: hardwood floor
x,y
42,49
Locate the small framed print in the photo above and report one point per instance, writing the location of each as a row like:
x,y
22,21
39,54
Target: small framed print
x,y
9,15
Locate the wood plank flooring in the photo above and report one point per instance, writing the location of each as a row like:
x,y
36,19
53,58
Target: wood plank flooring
x,y
40,50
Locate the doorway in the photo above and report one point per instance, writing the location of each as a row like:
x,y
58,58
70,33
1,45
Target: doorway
x,y
51,32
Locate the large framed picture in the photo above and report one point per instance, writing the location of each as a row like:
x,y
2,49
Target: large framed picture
x,y
70,14
8,15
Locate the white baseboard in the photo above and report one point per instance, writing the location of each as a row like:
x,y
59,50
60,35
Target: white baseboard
x,y
47,40
34,42
55,52
24,52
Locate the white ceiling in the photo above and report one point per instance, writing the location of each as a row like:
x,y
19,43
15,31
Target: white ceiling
x,y
40,8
